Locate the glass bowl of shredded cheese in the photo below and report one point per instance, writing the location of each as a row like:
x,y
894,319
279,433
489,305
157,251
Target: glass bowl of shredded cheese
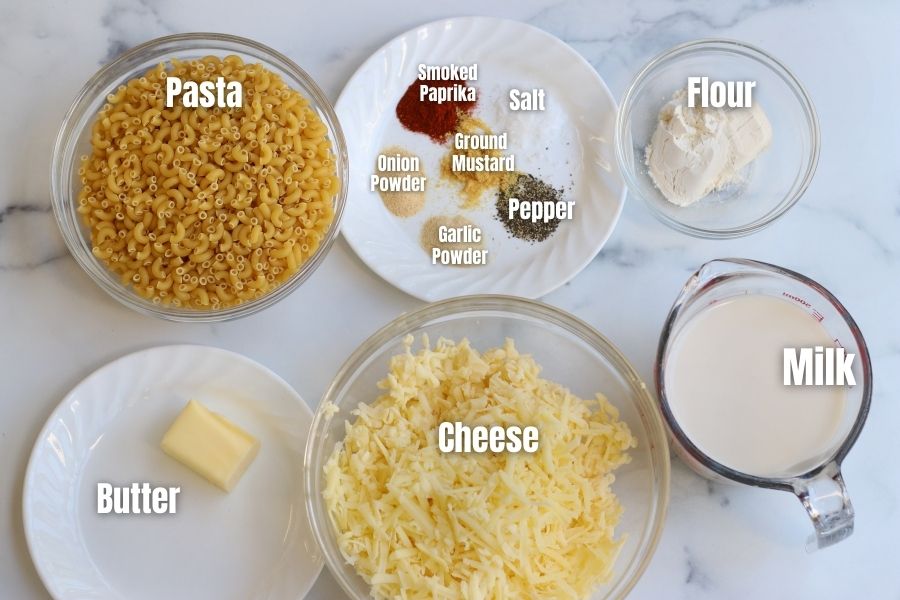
x,y
207,201
397,515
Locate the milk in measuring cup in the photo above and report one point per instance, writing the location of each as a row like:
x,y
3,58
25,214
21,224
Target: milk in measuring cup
x,y
724,385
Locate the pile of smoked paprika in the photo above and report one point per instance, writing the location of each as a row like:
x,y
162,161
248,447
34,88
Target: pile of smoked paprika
x,y
437,120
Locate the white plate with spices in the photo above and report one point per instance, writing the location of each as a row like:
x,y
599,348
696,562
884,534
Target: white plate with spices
x,y
569,146
253,542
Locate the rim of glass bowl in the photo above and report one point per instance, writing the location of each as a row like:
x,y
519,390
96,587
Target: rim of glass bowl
x,y
623,137
80,116
646,406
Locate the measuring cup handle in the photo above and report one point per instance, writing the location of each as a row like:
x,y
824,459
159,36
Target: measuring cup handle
x,y
826,500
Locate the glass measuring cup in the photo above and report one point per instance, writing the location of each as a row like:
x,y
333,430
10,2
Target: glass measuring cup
x,y
817,482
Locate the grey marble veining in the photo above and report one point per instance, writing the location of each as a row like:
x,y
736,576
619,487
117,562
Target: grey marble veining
x,y
719,542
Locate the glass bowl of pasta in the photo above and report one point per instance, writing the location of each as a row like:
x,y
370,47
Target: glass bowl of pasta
x,y
200,177
398,513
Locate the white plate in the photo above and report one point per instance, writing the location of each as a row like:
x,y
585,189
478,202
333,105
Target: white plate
x,y
253,542
508,54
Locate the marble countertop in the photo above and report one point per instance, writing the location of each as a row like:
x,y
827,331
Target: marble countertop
x,y
719,542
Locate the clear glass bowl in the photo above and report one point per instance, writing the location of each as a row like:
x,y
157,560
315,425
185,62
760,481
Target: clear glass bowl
x,y
571,353
73,141
772,183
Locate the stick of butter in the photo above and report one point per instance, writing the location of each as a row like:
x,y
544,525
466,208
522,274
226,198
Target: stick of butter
x,y
210,445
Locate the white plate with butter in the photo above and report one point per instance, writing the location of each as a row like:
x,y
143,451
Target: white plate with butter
x,y
569,145
252,542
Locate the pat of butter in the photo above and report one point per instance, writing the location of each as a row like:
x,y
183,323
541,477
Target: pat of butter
x,y
210,445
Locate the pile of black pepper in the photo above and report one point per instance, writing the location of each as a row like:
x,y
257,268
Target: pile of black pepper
x,y
527,188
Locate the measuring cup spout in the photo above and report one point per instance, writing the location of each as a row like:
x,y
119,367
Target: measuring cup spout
x,y
715,271
825,499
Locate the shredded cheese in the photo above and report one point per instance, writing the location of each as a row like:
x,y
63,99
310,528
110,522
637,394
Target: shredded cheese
x,y
417,523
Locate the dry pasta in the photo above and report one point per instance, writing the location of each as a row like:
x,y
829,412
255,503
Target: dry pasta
x,y
207,207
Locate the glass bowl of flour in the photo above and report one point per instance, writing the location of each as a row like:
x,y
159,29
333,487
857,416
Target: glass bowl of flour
x,y
718,138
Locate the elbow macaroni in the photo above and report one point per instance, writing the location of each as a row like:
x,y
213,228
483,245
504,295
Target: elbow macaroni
x,y
207,208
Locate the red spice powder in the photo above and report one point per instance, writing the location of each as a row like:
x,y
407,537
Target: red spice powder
x,y
437,121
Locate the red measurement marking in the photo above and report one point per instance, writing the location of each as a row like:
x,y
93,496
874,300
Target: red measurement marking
x,y
819,316
797,299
